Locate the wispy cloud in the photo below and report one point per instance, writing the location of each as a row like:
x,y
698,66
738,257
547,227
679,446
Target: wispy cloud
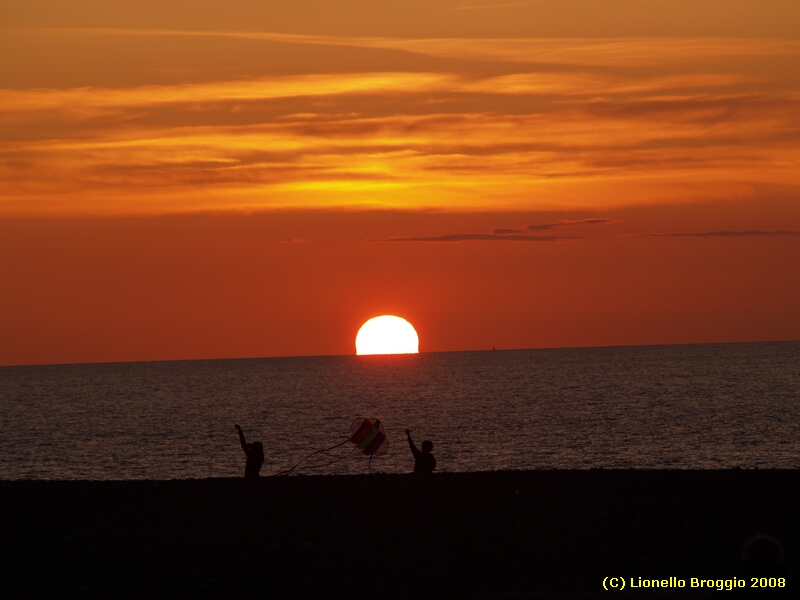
x,y
621,52
476,237
571,123
624,52
522,235
84,99
506,235
742,233
553,225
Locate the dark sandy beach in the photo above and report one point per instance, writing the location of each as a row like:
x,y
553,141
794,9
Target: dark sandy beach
x,y
508,534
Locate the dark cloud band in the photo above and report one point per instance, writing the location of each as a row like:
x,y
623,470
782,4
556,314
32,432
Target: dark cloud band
x,y
744,233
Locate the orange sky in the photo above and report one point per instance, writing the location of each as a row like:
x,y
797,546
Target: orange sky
x,y
227,179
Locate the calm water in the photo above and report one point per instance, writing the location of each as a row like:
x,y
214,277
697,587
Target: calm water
x,y
711,406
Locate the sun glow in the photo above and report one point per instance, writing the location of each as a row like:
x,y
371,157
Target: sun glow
x,y
387,334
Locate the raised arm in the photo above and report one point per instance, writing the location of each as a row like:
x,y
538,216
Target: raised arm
x,y
242,440
411,445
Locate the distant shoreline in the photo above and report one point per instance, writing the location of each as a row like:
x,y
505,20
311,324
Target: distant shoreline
x,y
548,533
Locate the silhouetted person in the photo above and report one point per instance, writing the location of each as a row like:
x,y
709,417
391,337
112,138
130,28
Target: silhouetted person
x,y
424,462
255,455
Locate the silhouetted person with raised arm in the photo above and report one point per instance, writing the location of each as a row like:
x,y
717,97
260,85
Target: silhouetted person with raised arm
x,y
255,455
424,461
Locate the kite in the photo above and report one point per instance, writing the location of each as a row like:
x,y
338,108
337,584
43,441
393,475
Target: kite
x,y
367,435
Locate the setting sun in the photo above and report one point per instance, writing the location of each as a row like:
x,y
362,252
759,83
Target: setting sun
x,y
387,334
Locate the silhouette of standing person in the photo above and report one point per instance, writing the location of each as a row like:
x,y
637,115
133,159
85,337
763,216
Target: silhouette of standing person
x,y
255,455
424,461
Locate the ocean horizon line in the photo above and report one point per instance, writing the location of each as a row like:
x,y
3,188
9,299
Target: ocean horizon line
x,y
384,356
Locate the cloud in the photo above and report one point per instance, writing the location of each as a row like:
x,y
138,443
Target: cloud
x,y
519,235
553,225
477,237
547,226
597,84
743,233
235,92
623,52
579,124
506,235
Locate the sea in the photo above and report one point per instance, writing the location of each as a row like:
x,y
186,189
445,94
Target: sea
x,y
718,406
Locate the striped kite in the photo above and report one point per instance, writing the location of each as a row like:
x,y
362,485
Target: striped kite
x,y
368,436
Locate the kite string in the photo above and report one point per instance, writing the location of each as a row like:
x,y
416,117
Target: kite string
x,y
288,471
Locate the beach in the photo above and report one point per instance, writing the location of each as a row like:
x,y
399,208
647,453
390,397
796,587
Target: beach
x,y
551,534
